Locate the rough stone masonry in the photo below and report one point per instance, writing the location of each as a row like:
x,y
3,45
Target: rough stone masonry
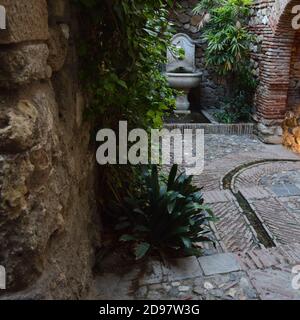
x,y
46,162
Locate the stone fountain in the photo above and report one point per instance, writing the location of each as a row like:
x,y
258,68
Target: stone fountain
x,y
181,72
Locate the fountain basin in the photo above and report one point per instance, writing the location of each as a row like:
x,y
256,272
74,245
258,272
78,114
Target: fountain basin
x,y
183,82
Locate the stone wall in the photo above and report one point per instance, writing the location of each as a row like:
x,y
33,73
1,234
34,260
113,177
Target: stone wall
x,y
278,65
211,90
47,163
294,84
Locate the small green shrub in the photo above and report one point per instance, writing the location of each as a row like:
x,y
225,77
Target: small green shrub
x,y
168,213
227,35
122,47
234,110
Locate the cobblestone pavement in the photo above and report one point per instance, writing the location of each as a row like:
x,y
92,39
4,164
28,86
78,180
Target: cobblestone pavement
x,y
254,190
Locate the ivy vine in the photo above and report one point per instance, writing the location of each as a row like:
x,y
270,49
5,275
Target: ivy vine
x,y
123,53
122,49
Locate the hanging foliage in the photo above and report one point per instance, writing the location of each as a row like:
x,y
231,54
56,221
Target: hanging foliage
x,y
122,48
123,53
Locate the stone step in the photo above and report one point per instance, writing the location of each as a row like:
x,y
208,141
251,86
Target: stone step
x,y
219,128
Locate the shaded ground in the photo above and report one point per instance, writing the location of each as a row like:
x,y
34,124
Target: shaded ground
x,y
254,190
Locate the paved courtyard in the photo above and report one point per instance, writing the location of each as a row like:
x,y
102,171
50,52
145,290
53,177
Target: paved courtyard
x,y
254,191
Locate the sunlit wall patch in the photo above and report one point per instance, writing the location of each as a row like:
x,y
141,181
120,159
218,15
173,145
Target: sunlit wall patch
x,y
2,18
2,278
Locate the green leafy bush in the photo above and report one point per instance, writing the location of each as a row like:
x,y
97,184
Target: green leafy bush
x,y
122,47
168,213
228,53
234,110
205,6
227,35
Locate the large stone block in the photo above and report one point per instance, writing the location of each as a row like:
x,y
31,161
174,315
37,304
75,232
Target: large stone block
x,y
18,127
24,64
58,46
59,9
219,264
26,21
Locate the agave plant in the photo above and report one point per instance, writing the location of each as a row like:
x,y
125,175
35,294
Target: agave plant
x,y
168,212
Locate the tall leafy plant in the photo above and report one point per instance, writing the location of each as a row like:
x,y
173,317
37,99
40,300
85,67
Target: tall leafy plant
x,y
228,38
229,43
167,213
122,48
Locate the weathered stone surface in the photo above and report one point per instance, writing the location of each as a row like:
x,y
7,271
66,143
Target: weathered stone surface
x,y
18,129
183,18
58,47
26,21
291,130
188,63
24,64
46,162
42,228
184,268
59,9
219,263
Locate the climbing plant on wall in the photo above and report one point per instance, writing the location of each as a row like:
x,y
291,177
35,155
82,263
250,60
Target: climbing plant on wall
x,y
122,53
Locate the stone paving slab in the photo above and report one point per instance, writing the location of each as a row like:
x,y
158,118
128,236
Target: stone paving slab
x,y
218,196
219,264
109,286
274,284
182,269
285,190
145,273
292,204
256,192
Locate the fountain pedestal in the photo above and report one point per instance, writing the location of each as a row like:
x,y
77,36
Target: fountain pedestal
x,y
182,103
181,72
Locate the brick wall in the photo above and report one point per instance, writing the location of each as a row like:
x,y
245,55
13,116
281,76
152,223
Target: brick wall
x,y
277,60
